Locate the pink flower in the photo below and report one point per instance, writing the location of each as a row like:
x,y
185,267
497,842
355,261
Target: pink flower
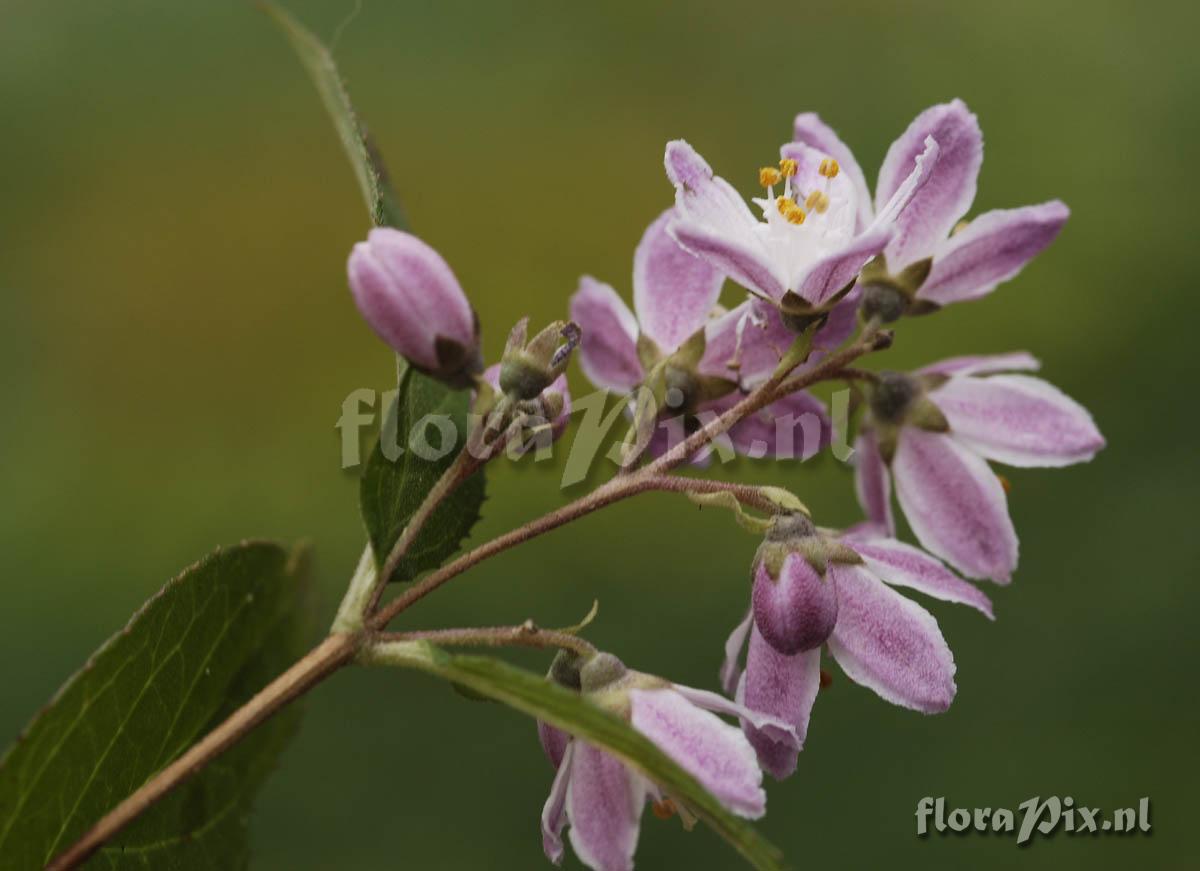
x,y
936,429
710,357
410,297
601,798
812,588
967,263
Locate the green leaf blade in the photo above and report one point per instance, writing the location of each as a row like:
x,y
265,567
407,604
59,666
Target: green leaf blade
x,y
532,694
391,491
365,160
204,644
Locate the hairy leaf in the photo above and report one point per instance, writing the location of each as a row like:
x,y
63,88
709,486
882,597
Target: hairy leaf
x,y
365,160
534,695
209,640
425,415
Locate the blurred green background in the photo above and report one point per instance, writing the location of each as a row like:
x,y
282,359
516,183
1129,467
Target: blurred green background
x,y
176,339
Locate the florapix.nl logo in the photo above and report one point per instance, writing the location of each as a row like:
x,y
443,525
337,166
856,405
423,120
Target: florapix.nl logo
x,y
1035,816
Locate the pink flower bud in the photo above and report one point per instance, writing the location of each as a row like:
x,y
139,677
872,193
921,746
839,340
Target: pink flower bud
x,y
410,297
797,610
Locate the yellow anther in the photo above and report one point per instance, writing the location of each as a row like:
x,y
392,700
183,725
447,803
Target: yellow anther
x,y
829,168
768,176
795,215
788,167
818,201
784,203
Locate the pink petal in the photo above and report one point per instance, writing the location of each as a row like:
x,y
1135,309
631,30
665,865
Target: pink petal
x,y
891,644
955,504
771,726
796,427
833,272
554,742
608,350
408,294
797,610
733,649
750,334
673,290
922,170
872,481
744,260
838,327
604,805
1018,420
982,365
903,565
991,249
948,193
781,686
714,752
554,813
810,129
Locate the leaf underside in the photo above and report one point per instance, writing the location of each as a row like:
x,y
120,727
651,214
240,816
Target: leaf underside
x,y
200,648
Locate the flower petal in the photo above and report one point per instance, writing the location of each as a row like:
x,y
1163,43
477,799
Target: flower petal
x,y
608,349
745,261
673,290
796,427
554,813
982,365
733,649
752,337
811,130
554,742
891,644
991,249
955,504
711,750
903,565
950,189
834,271
781,686
872,481
838,326
1018,420
718,704
797,610
604,805
841,219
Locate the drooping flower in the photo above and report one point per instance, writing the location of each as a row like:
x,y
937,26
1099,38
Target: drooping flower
x,y
968,261
705,362
935,430
601,798
812,587
410,297
809,246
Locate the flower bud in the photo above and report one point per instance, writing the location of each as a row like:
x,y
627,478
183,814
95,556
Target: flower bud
x,y
528,369
545,416
410,297
794,600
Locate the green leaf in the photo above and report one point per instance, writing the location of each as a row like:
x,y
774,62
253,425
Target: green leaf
x,y
382,202
210,639
532,694
392,489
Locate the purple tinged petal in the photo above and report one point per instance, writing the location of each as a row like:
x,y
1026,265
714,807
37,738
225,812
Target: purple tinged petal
x,y
955,504
991,249
554,742
750,335
921,172
831,273
872,481
409,295
797,610
950,189
903,565
891,644
773,727
1018,420
733,648
746,261
608,349
673,289
784,687
714,752
604,806
838,326
983,364
554,813
796,427
811,130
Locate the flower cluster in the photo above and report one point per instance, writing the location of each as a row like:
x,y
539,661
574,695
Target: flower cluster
x,y
816,255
